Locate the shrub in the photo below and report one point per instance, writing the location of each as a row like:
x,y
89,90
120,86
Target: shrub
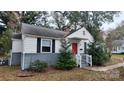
x,y
99,53
38,66
66,60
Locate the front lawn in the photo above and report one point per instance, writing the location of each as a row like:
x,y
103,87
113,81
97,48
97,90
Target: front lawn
x,y
13,73
118,56
115,59
111,62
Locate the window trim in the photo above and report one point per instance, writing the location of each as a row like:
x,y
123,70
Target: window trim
x,y
50,46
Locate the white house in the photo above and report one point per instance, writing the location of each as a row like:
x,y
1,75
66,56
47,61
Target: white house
x,y
39,43
118,46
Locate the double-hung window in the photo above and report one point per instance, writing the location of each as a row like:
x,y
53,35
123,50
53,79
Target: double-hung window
x,y
46,45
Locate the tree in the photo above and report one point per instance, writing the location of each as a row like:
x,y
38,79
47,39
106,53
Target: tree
x,y
66,60
59,19
40,18
7,19
5,42
99,53
43,19
115,34
13,19
10,22
29,17
91,20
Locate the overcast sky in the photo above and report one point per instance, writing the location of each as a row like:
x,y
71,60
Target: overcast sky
x,y
114,24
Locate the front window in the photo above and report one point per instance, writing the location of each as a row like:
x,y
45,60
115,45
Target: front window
x,y
46,45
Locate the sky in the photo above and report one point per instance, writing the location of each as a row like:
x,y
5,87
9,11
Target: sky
x,y
114,24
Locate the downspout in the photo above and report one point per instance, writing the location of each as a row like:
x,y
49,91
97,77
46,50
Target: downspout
x,y
10,63
23,54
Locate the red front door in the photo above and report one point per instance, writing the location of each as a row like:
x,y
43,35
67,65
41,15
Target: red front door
x,y
74,48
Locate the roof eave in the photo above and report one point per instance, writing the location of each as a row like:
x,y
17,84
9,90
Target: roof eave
x,y
41,36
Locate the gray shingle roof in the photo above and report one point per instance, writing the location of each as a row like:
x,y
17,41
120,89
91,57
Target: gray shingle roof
x,y
117,42
42,31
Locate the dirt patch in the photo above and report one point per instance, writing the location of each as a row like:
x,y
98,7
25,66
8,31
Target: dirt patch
x,y
112,73
77,74
25,74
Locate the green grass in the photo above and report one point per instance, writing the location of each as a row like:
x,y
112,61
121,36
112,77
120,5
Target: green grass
x,y
112,62
117,56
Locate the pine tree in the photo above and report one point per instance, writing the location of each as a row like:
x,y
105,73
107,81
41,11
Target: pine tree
x,y
99,53
66,60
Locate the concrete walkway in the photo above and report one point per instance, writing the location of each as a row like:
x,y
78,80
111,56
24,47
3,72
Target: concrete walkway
x,y
105,68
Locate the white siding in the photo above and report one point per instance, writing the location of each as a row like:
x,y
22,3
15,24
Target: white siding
x,y
16,45
79,34
81,47
84,36
30,45
57,46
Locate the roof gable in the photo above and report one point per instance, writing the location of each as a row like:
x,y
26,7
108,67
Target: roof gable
x,y
81,33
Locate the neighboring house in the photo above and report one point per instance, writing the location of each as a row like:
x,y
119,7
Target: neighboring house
x,y
118,46
39,43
